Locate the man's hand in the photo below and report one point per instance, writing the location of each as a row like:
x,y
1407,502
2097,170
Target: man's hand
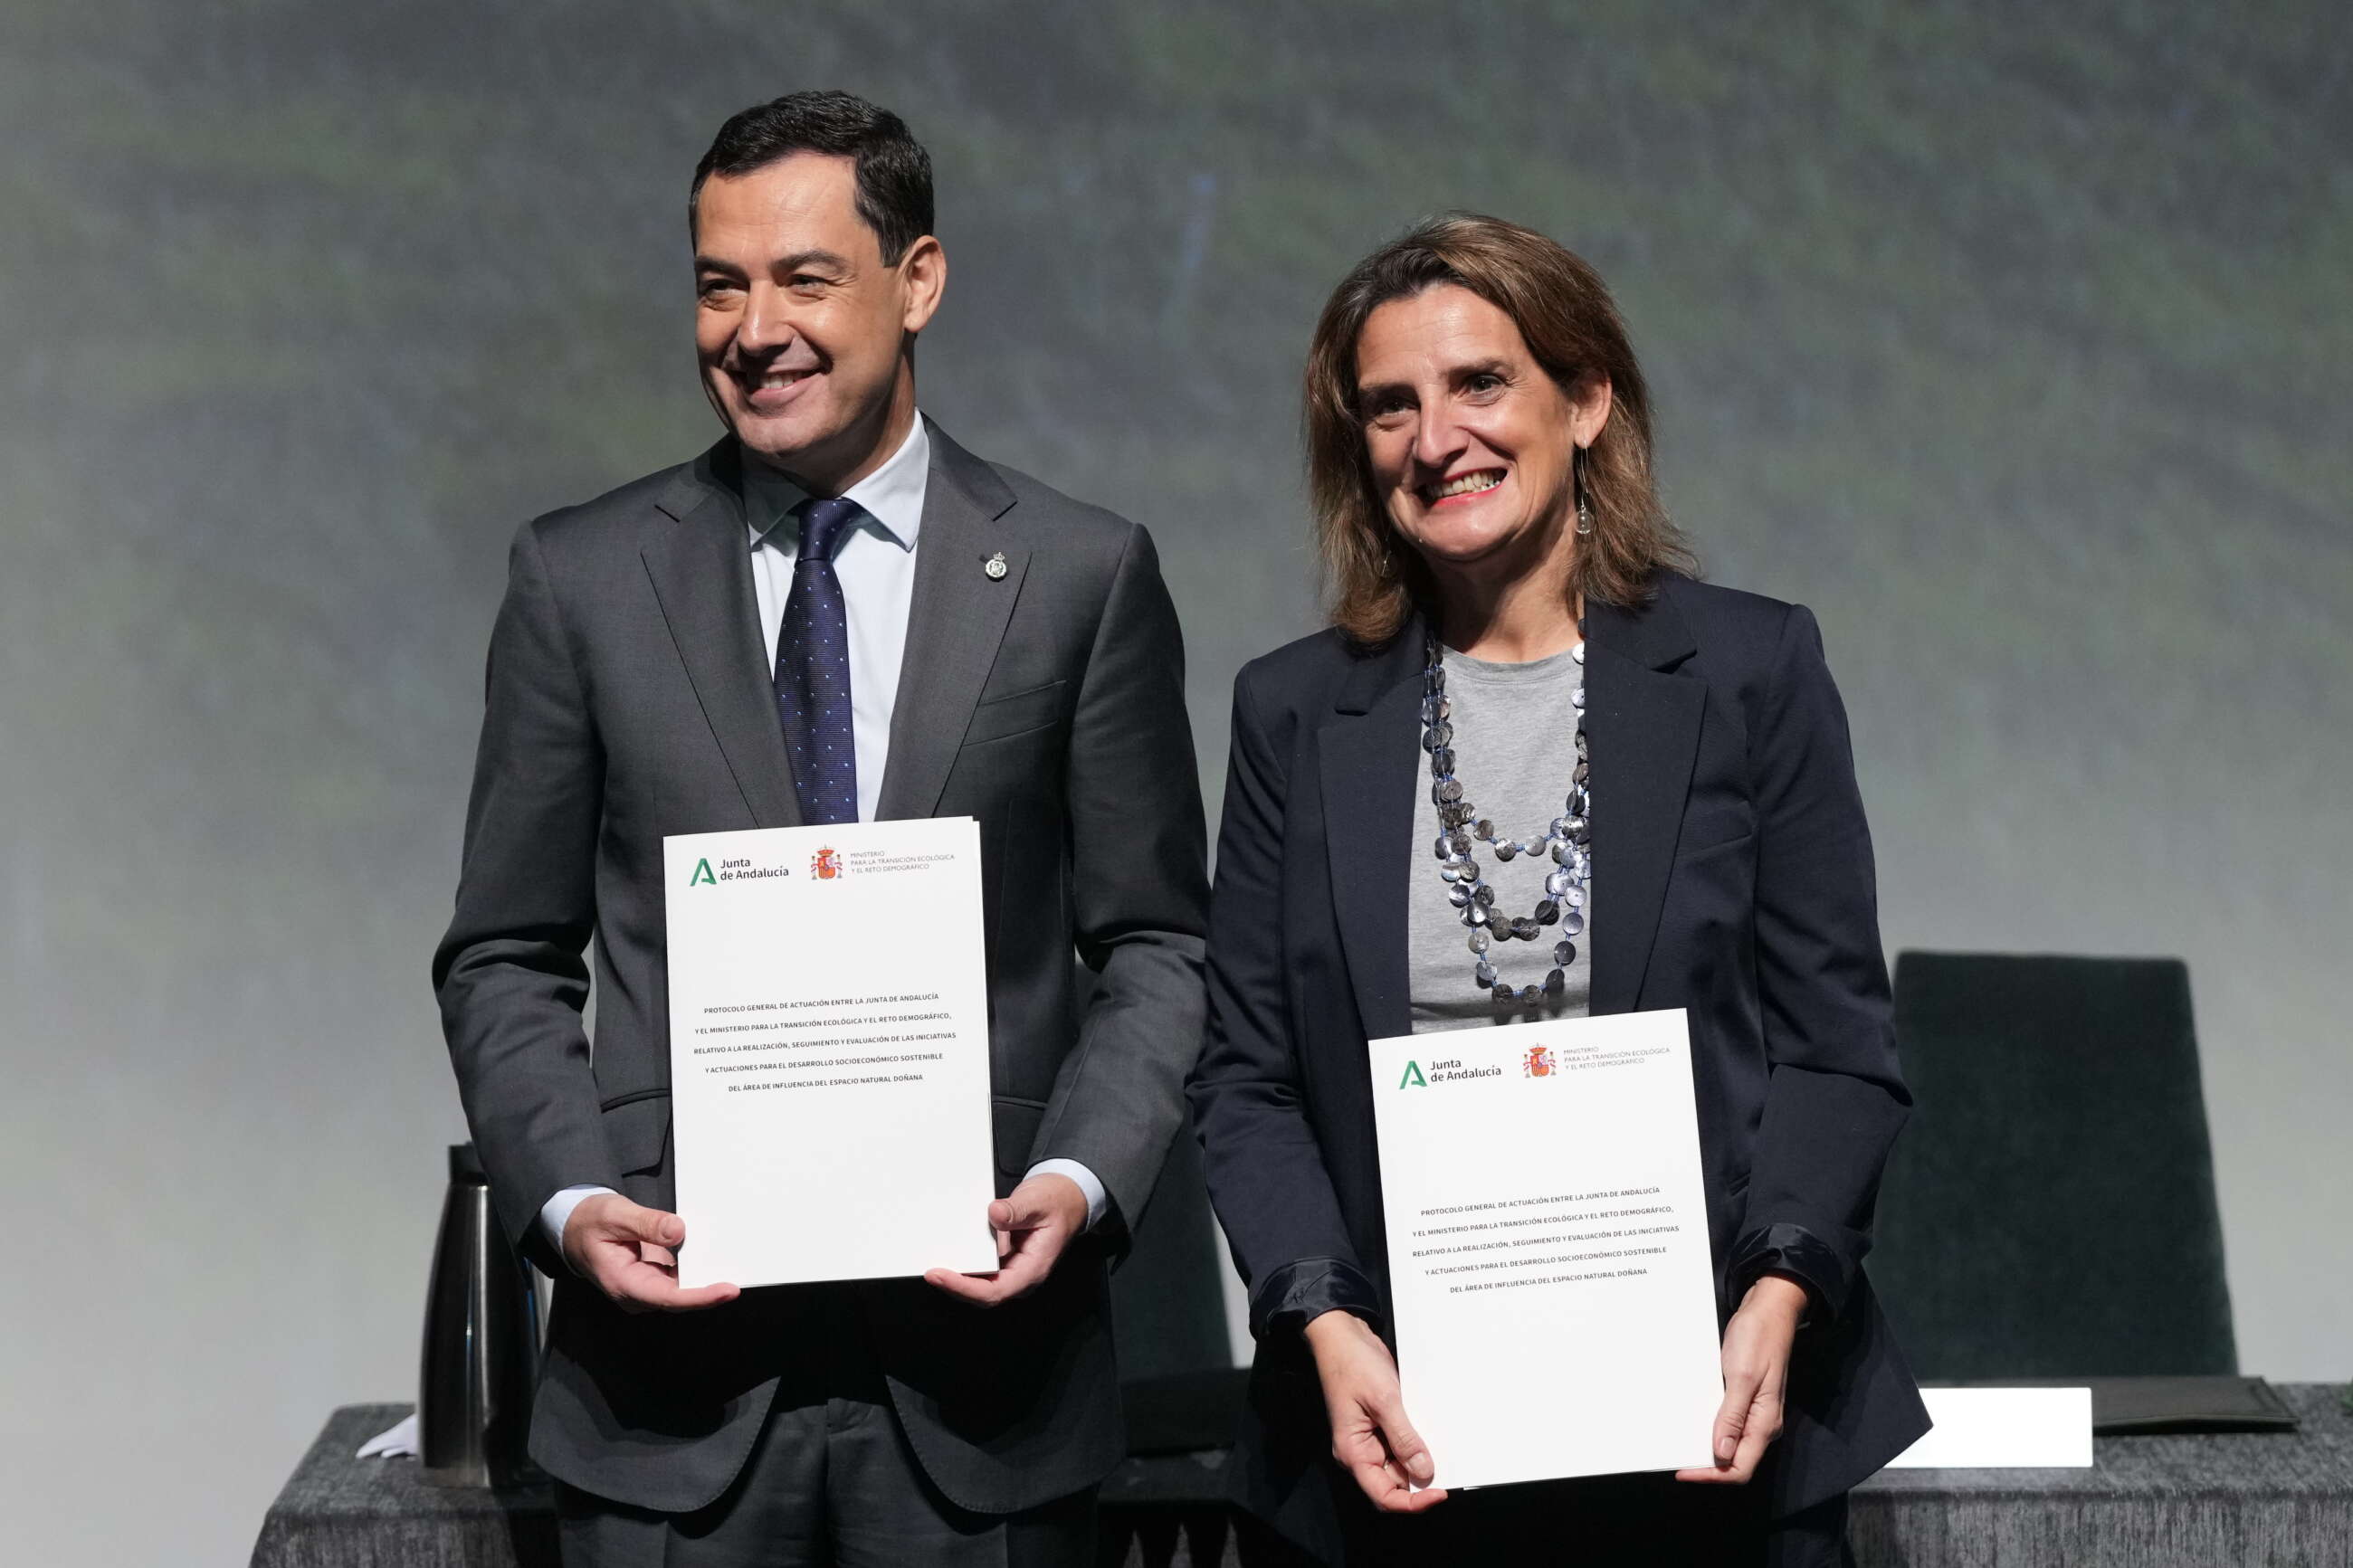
x,y
631,1251
1370,1435
1755,1371
1033,1226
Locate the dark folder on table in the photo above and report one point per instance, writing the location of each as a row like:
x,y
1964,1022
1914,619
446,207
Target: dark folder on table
x,y
2134,1405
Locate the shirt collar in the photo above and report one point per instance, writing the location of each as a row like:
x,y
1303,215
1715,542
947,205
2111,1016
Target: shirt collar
x,y
891,495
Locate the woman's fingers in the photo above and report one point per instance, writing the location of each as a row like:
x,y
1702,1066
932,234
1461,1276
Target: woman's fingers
x,y
1386,1455
1370,1435
1743,1431
1396,1467
1749,1419
1382,1480
1392,1498
1404,1444
1732,1416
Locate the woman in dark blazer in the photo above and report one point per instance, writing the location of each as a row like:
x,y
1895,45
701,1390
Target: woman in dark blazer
x,y
1513,614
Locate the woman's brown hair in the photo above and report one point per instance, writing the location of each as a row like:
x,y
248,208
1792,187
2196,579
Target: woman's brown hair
x,y
1563,313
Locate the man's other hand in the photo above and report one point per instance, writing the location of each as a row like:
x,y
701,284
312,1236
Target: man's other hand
x,y
631,1253
1033,1226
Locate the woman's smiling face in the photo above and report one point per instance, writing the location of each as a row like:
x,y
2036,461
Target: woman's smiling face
x,y
1472,443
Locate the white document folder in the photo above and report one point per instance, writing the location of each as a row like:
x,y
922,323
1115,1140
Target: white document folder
x,y
2003,1428
828,1049
1549,1264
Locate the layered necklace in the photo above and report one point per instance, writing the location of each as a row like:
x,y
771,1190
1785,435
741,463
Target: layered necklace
x,y
1569,840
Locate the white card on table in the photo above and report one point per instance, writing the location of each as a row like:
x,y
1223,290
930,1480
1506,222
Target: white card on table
x,y
2003,1428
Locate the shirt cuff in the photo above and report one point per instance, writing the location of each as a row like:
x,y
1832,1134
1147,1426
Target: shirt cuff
x,y
1098,1200
555,1213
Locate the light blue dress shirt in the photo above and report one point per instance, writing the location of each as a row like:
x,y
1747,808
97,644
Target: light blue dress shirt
x,y
876,563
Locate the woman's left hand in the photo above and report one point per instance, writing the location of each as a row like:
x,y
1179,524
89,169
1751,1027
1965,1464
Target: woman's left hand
x,y
1756,1371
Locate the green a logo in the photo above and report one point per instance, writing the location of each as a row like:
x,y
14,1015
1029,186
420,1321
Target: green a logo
x,y
703,874
1413,1078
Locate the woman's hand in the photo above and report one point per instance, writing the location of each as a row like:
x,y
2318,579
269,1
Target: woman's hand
x,y
1370,1435
1755,1371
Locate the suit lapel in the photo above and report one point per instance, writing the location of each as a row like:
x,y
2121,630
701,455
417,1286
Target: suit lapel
x,y
698,557
954,622
1643,726
1368,754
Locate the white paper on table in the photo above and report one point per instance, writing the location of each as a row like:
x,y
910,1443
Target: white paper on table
x,y
2003,1428
828,1049
1550,1265
397,1441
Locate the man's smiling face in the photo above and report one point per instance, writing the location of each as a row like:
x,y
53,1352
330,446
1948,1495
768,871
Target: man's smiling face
x,y
799,323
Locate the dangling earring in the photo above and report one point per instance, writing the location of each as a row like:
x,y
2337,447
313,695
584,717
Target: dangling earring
x,y
1584,512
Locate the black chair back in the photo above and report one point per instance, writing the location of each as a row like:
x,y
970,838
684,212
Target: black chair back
x,y
2049,1212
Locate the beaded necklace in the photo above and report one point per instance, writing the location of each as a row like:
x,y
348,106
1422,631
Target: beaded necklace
x,y
1569,840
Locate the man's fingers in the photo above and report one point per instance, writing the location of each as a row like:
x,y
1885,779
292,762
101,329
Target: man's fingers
x,y
643,1287
678,1300
1021,1273
978,1288
612,1215
661,1229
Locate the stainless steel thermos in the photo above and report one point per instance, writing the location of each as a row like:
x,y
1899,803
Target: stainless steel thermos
x,y
481,1343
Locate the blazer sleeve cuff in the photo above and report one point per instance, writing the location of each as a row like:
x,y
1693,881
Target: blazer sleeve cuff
x,y
1291,1297
1783,1247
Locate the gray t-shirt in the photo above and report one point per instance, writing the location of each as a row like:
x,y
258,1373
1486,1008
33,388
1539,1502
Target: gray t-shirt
x,y
1514,748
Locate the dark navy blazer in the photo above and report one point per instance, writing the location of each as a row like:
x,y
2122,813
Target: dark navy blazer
x,y
1735,876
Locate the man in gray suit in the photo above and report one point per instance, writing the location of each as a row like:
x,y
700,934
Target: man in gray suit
x,y
834,614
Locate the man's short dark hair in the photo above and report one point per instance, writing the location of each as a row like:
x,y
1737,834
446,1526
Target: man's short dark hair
x,y
894,172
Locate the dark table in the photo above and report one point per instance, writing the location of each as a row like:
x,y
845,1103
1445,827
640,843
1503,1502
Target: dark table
x,y
2229,1501
337,1512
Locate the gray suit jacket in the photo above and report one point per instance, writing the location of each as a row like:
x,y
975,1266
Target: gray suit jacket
x,y
628,698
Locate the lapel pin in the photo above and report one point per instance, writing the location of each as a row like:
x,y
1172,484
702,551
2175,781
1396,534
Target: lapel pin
x,y
994,566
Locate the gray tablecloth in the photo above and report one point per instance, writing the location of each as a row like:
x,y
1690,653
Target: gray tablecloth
x,y
2216,1500
2229,1499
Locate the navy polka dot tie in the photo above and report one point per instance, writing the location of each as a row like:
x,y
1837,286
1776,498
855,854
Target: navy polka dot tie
x,y
813,670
